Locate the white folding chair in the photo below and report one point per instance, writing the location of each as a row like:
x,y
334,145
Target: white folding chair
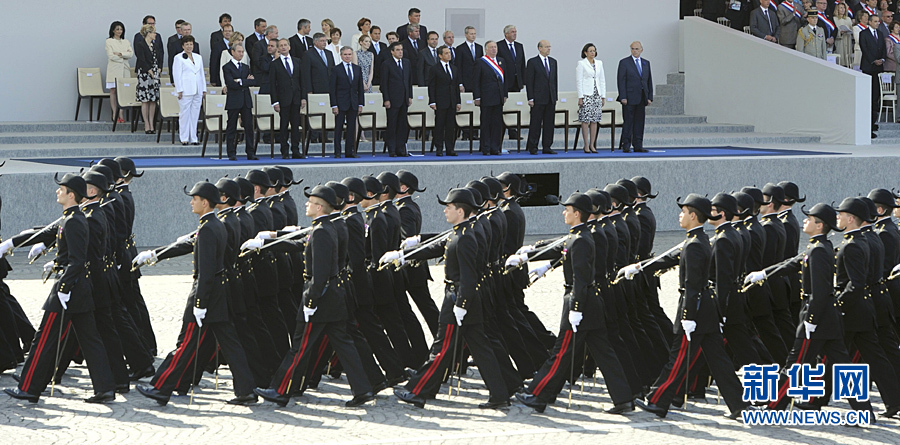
x,y
420,116
168,111
90,86
374,115
888,96
126,97
468,116
214,121
318,114
516,113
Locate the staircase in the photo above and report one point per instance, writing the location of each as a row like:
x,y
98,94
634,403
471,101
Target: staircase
x,y
666,126
888,134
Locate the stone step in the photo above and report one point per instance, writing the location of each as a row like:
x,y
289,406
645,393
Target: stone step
x,y
893,140
669,90
66,137
70,126
887,134
674,119
675,78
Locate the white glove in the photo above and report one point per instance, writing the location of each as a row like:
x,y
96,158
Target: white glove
x,y
64,298
525,249
460,313
515,260
755,277
199,315
575,319
810,328
308,312
410,242
184,238
630,271
36,250
6,247
539,271
48,266
688,326
144,257
894,271
390,256
264,235
252,244
291,228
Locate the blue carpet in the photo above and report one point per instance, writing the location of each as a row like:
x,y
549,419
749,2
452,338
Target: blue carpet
x,y
667,152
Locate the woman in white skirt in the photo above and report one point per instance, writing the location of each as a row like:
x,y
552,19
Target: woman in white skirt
x,y
190,84
118,51
590,82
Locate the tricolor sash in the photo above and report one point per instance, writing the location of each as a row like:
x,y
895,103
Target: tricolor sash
x,y
894,39
789,5
494,66
828,23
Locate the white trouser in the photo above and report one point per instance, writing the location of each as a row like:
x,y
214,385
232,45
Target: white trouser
x,y
188,113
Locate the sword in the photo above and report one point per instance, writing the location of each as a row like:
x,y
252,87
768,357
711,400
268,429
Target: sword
x,y
782,266
437,239
33,235
650,261
166,249
453,361
557,242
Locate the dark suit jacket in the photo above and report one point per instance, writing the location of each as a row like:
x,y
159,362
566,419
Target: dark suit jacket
x,y
259,50
758,26
283,88
514,72
377,59
316,73
487,85
347,94
872,49
412,54
142,52
424,64
214,61
466,63
262,73
443,90
297,48
215,37
538,86
250,47
401,31
396,86
238,93
631,84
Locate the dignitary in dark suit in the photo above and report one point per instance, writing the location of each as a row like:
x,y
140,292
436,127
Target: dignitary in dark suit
x,y
157,41
173,46
396,91
377,48
514,53
414,16
316,67
412,44
301,42
764,22
261,48
239,102
288,97
428,57
635,92
217,36
874,51
542,85
489,91
468,54
259,33
264,63
443,97
347,99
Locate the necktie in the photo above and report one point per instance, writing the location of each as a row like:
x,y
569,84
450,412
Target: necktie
x,y
512,50
324,59
415,45
349,73
400,65
547,67
766,13
377,47
472,47
637,62
287,66
305,45
452,54
433,54
447,67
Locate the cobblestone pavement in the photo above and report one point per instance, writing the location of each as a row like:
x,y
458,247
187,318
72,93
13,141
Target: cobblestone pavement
x,y
320,417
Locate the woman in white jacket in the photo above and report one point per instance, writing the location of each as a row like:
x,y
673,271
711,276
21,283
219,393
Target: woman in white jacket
x,y
591,84
119,52
190,84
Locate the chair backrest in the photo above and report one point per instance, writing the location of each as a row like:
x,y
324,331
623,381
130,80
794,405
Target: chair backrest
x,y
420,105
214,107
213,91
517,101
262,110
168,102
89,82
374,103
376,89
126,92
614,105
319,104
467,103
887,83
566,100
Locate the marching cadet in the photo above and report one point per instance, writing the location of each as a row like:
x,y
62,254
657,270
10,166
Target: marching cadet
x,y
776,240
461,310
890,237
417,276
876,289
759,297
207,304
284,291
582,323
648,236
358,249
290,208
15,328
70,303
792,244
324,310
418,352
517,281
819,329
698,325
128,279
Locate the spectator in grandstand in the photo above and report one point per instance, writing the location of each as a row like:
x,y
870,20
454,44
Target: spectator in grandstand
x,y
335,45
590,82
220,46
763,23
789,20
811,38
862,23
118,51
363,25
327,26
226,56
190,84
843,43
871,42
891,42
147,69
